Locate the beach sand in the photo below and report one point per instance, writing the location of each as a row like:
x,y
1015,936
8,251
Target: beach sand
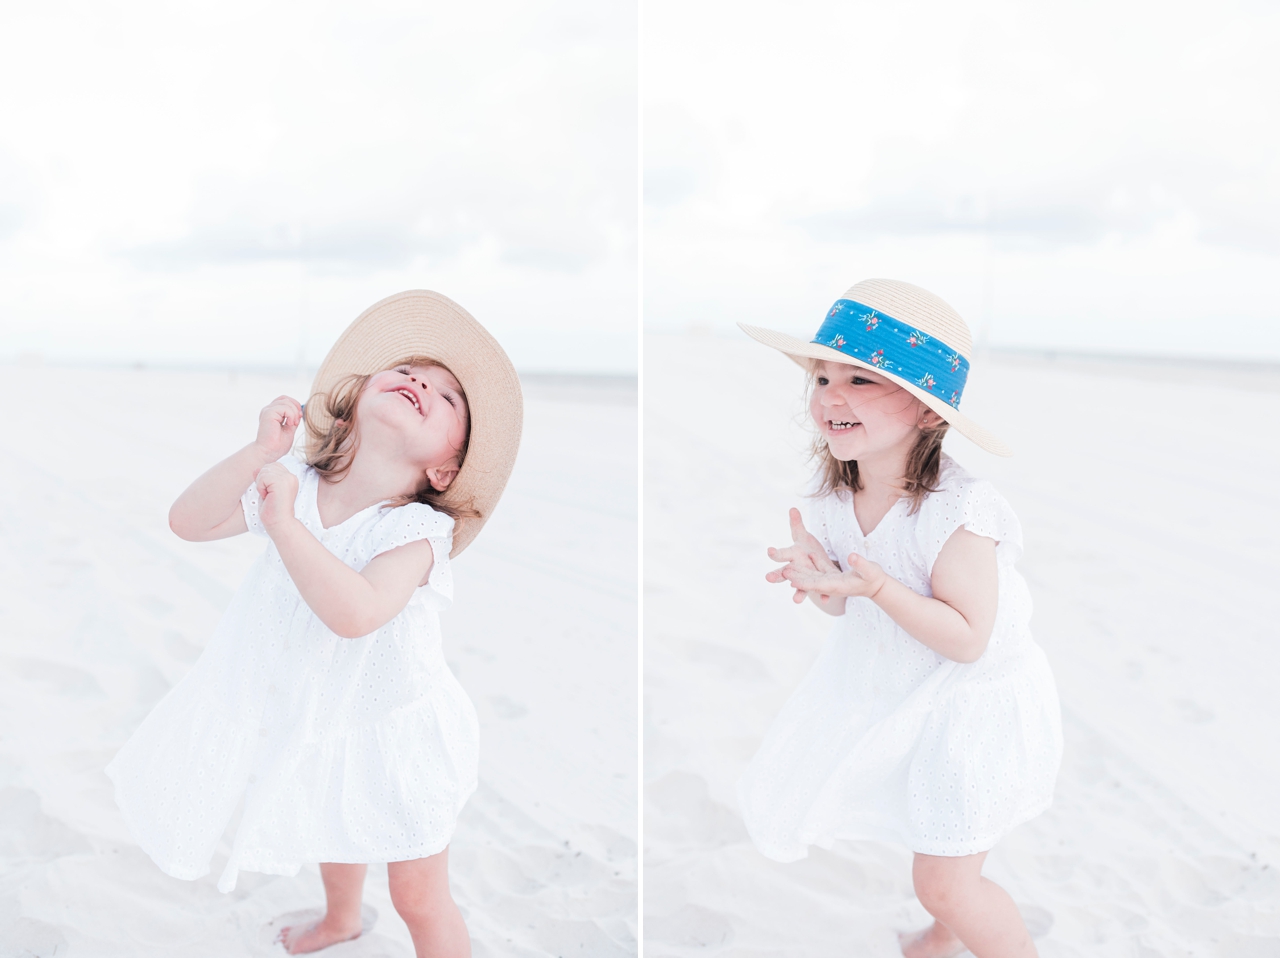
x,y
1146,496
103,609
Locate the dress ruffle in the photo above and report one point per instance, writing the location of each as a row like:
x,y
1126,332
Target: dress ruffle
x,y
387,791
919,775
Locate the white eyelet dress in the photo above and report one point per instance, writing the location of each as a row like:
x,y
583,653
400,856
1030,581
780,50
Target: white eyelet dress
x,y
344,750
885,739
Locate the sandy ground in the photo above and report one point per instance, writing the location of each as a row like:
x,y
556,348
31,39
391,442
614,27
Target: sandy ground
x,y
1146,494
102,609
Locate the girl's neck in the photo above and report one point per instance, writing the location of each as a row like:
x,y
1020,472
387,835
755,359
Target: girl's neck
x,y
881,478
372,478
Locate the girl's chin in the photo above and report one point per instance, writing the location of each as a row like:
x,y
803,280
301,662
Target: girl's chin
x,y
844,448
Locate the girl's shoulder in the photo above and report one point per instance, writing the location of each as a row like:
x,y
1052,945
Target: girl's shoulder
x,y
963,499
394,526
954,480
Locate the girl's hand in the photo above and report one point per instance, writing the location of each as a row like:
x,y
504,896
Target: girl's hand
x,y
276,425
805,553
864,579
278,488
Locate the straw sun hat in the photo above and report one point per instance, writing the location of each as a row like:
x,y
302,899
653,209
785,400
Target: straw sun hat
x,y
903,332
422,323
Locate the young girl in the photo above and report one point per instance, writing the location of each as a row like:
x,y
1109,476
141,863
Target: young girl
x,y
323,702
931,717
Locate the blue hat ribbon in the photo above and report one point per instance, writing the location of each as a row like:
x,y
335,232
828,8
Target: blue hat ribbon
x,y
900,350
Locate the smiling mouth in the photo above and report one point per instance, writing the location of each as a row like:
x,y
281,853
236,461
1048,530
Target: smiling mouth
x,y
841,426
411,396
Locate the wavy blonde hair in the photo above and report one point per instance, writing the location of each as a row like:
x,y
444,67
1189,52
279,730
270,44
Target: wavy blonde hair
x,y
336,444
923,463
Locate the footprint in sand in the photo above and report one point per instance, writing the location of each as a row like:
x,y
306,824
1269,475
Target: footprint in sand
x,y
506,708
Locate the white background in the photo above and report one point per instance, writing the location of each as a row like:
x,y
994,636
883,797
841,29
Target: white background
x,y
1093,176
234,182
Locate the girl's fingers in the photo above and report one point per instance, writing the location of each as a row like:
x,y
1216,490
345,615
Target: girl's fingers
x,y
819,562
811,582
798,532
787,553
796,576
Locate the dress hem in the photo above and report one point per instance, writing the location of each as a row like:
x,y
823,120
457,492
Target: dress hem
x,y
173,871
894,836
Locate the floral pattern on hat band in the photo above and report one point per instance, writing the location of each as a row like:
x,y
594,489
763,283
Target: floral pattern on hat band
x,y
879,340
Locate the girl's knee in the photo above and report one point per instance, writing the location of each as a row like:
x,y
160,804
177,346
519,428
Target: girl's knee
x,y
941,885
419,889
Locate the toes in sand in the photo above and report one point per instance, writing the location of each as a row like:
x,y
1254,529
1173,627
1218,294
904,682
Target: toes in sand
x,y
300,939
936,941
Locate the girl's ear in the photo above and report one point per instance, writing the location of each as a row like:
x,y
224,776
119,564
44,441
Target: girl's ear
x,y
441,476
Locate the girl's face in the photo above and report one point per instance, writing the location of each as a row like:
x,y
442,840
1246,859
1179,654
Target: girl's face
x,y
419,412
862,414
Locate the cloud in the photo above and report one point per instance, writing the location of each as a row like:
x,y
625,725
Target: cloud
x,y
17,196
1126,199
370,139
380,225
188,159
680,156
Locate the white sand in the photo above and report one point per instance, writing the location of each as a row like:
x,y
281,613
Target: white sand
x,y
1152,528
102,609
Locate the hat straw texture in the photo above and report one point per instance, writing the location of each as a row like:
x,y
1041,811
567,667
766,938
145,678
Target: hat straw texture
x,y
425,323
915,307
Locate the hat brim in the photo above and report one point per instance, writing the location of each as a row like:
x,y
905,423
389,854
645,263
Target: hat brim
x,y
419,322
801,352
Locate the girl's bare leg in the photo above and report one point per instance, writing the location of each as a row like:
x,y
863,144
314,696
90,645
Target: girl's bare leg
x,y
343,887
420,892
969,911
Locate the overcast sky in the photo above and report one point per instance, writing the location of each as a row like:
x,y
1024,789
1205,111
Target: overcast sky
x,y
1092,175
235,182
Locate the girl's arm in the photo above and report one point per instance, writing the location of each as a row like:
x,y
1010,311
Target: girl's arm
x,y
350,603
210,506
955,623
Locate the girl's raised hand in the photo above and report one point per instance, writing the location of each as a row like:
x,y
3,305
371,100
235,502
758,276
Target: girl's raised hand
x,y
805,553
864,578
276,425
278,488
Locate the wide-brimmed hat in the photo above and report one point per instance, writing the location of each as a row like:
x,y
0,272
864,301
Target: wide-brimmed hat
x,y
419,322
903,332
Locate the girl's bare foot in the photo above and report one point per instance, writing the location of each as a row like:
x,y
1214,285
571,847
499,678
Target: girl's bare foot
x,y
936,941
300,939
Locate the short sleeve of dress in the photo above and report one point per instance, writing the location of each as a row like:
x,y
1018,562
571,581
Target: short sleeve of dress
x,y
251,501
400,525
976,505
